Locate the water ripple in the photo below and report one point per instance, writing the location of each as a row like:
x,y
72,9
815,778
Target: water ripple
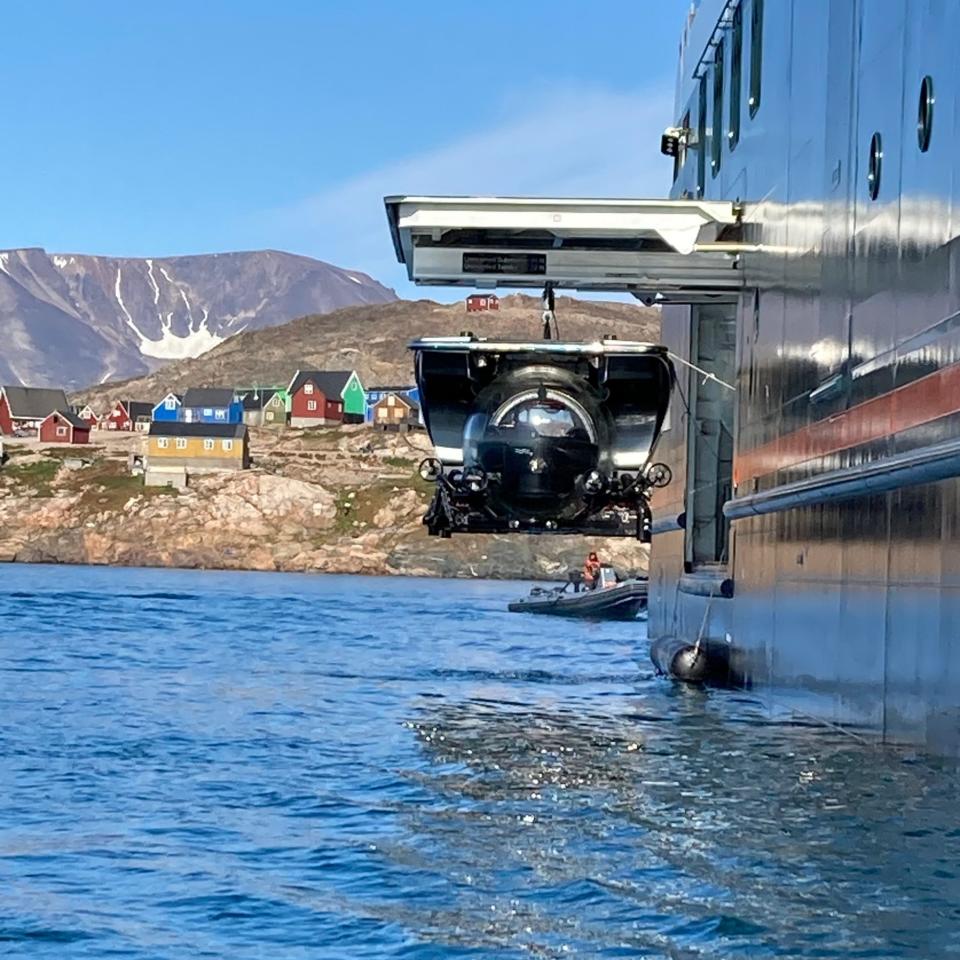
x,y
241,765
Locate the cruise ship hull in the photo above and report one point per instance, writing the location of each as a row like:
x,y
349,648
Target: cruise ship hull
x,y
824,487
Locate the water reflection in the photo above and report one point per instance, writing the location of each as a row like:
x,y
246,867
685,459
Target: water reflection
x,y
706,836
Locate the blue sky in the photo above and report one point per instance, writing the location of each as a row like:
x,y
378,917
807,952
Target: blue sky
x,y
138,129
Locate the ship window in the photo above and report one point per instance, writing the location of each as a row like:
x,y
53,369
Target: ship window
x,y
736,76
875,166
925,114
756,55
716,135
702,138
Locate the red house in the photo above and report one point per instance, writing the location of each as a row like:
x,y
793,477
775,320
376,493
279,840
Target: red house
x,y
128,415
23,408
87,414
315,397
482,301
62,426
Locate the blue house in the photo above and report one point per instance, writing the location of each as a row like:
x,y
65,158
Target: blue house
x,y
211,405
376,394
168,409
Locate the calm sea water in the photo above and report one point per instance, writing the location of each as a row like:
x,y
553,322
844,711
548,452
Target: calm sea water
x,y
198,764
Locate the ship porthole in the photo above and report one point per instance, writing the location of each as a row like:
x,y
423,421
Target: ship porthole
x,y
874,167
925,114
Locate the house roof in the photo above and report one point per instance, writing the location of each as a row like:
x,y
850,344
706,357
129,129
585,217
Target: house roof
x,y
137,408
209,397
70,417
172,428
403,398
404,389
176,396
331,383
34,403
257,399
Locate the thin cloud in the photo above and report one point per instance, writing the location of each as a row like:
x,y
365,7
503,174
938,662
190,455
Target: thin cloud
x,y
571,143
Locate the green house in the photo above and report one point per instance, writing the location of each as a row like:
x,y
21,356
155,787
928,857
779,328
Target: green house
x,y
277,409
354,397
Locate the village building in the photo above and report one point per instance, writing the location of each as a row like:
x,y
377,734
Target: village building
x,y
128,415
253,401
168,409
87,414
63,426
25,408
477,302
396,412
375,394
320,397
276,411
197,447
211,405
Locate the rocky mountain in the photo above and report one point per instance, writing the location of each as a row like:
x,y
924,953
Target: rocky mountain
x,y
71,320
373,340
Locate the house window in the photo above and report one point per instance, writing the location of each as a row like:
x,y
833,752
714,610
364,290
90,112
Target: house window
x,y
207,443
716,135
391,401
227,445
208,411
308,388
61,431
311,404
221,414
756,55
736,76
181,443
162,443
382,413
170,404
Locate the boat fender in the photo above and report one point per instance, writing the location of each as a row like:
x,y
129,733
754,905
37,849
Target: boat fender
x,y
679,659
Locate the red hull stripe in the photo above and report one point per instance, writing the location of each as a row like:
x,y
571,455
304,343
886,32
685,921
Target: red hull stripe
x,y
912,405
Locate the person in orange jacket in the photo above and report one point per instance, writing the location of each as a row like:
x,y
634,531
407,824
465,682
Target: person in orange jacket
x,y
591,571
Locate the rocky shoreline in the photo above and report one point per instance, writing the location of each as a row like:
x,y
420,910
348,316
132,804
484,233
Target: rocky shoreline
x,y
319,501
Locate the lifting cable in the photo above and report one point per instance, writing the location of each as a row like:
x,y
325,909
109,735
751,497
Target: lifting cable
x,y
706,374
549,313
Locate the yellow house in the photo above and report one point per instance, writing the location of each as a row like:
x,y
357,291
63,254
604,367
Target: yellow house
x,y
198,446
395,410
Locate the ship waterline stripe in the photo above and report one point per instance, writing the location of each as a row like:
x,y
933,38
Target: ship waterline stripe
x,y
912,405
926,465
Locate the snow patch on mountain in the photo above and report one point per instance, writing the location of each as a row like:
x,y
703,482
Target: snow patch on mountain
x,y
153,282
174,347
